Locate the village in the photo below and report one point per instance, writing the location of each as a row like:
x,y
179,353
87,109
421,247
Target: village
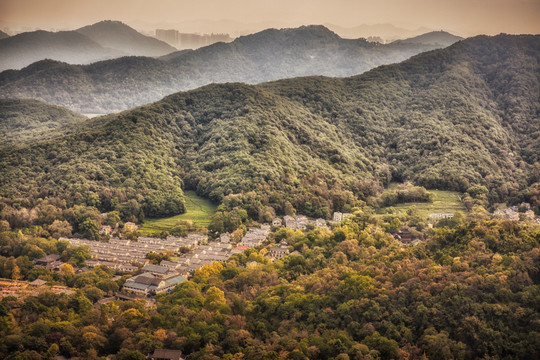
x,y
188,254
191,252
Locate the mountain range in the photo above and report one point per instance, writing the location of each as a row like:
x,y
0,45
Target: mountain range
x,y
100,41
123,83
448,119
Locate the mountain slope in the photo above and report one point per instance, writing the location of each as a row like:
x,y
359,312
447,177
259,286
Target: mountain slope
x,y
448,119
119,36
3,35
23,121
272,54
23,49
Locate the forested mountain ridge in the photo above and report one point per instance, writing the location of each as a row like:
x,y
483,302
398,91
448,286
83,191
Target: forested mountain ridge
x,y
26,120
449,119
124,83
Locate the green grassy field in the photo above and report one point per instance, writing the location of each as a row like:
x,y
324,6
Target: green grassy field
x,y
198,209
443,202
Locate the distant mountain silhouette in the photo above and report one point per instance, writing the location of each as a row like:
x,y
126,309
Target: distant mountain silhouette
x,y
441,38
123,83
388,32
101,41
119,36
23,49
3,35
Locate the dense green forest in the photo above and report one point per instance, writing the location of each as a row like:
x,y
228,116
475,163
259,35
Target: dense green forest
x,y
463,118
124,83
469,291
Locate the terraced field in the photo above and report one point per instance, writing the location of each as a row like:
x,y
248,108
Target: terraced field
x,y
198,209
443,202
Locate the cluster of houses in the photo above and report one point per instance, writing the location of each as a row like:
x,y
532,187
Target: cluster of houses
x,y
157,279
301,222
128,256
123,255
255,237
108,230
512,213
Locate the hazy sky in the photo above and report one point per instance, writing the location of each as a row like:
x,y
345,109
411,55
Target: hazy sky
x,y
464,17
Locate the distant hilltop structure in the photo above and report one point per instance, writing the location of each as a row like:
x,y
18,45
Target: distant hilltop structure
x,y
189,40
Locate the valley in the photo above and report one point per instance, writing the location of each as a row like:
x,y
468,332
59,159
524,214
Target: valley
x,y
288,195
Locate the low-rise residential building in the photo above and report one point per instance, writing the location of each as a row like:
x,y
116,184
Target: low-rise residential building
x,y
131,226
301,222
51,262
529,214
279,251
276,222
165,354
148,284
170,264
158,270
339,216
225,238
118,266
105,230
404,235
438,216
197,238
290,222
320,222
255,237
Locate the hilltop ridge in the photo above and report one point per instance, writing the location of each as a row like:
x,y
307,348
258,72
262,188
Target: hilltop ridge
x,y
445,119
120,84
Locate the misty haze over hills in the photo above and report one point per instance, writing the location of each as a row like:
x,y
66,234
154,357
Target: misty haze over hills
x,y
388,32
446,119
103,40
119,36
123,83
